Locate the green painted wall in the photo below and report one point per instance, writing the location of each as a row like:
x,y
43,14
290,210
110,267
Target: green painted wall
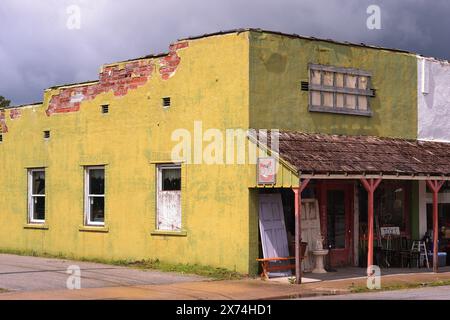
x,y
278,64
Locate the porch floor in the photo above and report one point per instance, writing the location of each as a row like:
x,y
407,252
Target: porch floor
x,y
356,272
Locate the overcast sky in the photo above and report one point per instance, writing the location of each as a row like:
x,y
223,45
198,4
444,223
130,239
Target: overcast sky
x,y
37,50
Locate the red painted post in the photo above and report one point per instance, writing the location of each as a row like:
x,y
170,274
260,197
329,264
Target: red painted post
x,y
370,227
370,185
435,231
298,229
435,186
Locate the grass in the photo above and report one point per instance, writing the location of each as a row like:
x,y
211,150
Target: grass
x,y
401,286
3,290
201,270
153,264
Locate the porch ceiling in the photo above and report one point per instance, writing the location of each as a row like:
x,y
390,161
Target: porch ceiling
x,y
322,155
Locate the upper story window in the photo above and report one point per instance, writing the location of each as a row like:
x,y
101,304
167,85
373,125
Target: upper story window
x,y
339,90
36,196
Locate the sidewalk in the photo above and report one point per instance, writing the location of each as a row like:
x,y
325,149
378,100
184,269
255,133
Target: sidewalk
x,y
224,290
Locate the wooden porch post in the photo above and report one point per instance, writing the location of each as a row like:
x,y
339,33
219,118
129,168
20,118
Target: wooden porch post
x,y
298,228
435,186
370,185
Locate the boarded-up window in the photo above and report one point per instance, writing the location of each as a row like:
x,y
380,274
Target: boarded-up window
x,y
169,197
340,90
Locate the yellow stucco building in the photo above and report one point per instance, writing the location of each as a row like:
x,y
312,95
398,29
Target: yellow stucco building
x,y
86,172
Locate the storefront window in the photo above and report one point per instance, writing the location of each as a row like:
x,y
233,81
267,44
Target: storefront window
x,y
443,220
390,205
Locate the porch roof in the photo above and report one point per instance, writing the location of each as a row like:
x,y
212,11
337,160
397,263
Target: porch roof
x,y
364,156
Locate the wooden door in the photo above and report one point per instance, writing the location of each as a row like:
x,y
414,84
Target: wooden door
x,y
310,230
337,215
273,230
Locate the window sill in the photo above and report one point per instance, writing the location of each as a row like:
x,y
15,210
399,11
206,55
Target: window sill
x,y
101,229
169,233
365,113
37,226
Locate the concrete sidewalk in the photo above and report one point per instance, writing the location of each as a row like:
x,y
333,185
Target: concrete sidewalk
x,y
224,290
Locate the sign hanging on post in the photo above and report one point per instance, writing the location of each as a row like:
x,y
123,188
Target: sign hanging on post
x,y
266,171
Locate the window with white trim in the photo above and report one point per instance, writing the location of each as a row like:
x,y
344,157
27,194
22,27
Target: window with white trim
x,y
94,199
339,90
168,197
36,195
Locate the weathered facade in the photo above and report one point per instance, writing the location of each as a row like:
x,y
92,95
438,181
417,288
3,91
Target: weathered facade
x,y
124,124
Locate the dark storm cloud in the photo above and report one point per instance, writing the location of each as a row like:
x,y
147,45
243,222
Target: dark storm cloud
x,y
37,50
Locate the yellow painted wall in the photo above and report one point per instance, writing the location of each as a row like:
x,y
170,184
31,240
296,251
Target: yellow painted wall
x,y
211,85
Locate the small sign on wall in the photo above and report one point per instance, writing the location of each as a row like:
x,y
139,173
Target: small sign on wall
x,y
266,171
392,231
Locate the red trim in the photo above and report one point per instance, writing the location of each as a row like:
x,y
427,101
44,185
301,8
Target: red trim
x,y
298,214
435,186
370,185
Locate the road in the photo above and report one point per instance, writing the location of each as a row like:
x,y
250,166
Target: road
x,y
21,273
433,293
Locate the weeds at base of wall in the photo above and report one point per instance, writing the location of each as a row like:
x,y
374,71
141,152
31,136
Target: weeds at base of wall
x,y
152,264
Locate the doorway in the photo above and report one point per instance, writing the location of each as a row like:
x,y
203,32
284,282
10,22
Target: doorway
x,y
337,221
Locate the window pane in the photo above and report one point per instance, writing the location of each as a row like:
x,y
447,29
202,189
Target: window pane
x,y
38,208
38,182
362,103
315,76
391,206
336,218
97,209
315,98
328,99
339,80
96,181
328,78
362,83
171,179
351,81
339,100
350,101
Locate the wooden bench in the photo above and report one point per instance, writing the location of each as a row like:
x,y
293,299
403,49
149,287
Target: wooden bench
x,y
266,267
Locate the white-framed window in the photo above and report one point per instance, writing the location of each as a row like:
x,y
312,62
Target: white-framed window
x,y
94,196
168,197
36,195
339,90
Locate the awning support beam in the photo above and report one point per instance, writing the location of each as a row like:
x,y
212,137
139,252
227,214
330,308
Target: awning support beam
x,y
435,186
370,185
298,229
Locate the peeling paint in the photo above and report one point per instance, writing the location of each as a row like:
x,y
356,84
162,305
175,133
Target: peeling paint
x,y
170,63
118,79
3,126
14,114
